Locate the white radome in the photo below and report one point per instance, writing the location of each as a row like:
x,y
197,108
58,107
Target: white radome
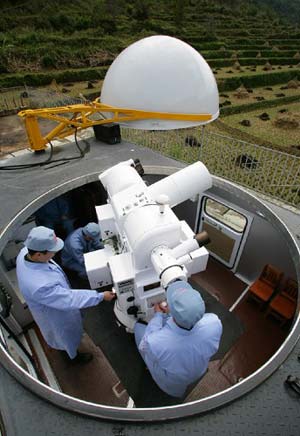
x,y
161,74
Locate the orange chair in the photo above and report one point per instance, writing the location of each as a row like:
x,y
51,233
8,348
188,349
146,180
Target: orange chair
x,y
264,287
283,306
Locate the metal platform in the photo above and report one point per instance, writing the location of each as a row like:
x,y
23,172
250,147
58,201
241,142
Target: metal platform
x,y
262,404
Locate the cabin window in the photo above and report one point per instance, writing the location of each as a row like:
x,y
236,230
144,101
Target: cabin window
x,y
225,215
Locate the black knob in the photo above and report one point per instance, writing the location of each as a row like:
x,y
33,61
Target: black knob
x,y
133,310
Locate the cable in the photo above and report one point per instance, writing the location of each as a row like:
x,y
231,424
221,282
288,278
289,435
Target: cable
x,y
24,166
49,159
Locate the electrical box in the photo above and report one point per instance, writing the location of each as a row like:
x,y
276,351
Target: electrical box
x,y
108,133
106,220
96,263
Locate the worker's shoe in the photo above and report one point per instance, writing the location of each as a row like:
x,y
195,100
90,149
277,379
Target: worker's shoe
x,y
83,358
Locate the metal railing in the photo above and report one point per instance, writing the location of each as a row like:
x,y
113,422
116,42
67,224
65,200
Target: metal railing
x,y
270,172
21,97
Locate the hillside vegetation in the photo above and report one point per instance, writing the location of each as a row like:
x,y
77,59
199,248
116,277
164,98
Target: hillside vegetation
x,y
41,36
252,46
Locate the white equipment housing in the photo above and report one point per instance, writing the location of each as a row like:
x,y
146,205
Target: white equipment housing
x,y
161,74
146,246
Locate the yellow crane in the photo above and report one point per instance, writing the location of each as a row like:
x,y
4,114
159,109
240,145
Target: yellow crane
x,y
81,116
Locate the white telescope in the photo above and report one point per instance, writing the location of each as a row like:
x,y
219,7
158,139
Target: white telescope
x,y
152,247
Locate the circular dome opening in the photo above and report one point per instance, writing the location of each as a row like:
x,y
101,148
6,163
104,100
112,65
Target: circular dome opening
x,y
165,411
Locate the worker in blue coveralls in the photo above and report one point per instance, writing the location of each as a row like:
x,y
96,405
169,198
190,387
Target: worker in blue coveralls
x,y
82,240
55,307
57,215
180,339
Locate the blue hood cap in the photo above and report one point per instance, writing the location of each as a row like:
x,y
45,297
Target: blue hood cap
x,y
92,230
186,305
43,239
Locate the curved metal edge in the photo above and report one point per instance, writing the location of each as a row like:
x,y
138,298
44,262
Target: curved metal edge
x,y
150,414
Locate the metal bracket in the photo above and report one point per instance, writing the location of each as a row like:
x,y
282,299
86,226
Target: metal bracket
x,y
294,383
118,389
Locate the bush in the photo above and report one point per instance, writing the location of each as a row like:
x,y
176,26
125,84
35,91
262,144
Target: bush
x,y
249,62
59,21
257,80
48,61
3,67
225,111
41,79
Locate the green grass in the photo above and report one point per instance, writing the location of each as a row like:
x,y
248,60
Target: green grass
x,y
223,73
259,92
65,42
266,130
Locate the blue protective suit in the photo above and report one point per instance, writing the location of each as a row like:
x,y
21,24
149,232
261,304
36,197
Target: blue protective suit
x,y
176,357
75,246
56,212
55,307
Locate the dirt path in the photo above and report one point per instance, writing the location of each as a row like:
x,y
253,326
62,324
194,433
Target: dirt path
x,y
13,135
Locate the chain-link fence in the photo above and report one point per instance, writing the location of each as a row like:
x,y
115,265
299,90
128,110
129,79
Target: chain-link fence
x,y
264,170
12,99
50,97
15,99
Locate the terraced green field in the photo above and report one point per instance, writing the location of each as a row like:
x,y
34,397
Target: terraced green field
x,y
226,72
258,49
284,137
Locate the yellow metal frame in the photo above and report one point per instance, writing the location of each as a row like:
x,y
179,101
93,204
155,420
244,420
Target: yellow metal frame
x,y
76,117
